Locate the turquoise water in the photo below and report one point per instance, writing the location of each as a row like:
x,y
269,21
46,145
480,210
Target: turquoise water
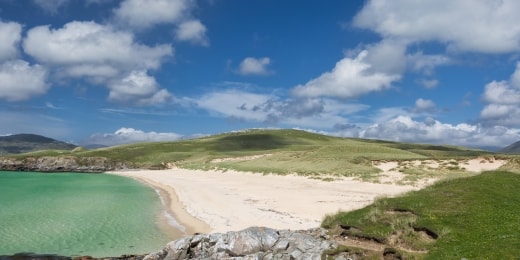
x,y
78,214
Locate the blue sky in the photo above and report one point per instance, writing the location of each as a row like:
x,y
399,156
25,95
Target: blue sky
x,y
111,72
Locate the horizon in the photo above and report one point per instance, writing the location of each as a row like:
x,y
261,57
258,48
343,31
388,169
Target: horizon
x,y
114,72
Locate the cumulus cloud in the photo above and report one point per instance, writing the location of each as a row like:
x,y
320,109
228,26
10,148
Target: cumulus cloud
x,y
454,23
87,44
130,135
236,104
138,88
503,104
502,99
10,33
142,14
406,129
424,106
268,109
254,66
102,55
20,81
350,78
192,31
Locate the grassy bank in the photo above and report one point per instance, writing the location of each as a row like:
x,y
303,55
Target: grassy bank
x,y
472,218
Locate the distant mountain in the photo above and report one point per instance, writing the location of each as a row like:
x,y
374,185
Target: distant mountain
x,y
23,143
512,148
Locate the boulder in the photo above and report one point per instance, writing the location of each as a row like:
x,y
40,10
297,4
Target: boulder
x,y
250,243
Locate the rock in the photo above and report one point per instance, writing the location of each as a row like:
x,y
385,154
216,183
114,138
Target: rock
x,y
61,164
248,244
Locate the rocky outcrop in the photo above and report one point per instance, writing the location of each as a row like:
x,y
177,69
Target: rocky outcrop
x,y
61,164
250,243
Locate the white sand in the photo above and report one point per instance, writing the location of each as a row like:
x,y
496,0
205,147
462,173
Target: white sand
x,y
214,201
230,201
481,164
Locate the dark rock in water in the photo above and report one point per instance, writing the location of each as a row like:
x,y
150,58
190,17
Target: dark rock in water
x,y
250,243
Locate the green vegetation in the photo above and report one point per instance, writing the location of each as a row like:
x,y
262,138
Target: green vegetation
x,y
472,218
273,151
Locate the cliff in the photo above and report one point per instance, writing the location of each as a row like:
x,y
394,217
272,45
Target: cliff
x,y
62,164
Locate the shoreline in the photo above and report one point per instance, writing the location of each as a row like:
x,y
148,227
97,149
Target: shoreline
x,y
216,201
175,221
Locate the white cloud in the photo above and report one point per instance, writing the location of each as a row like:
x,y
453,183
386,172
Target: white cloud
x,y
268,109
20,81
138,88
502,100
192,31
350,78
142,14
405,129
495,24
131,135
501,92
51,6
424,105
254,66
236,104
101,55
88,43
10,33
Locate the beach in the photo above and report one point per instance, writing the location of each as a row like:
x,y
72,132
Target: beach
x,y
216,201
220,201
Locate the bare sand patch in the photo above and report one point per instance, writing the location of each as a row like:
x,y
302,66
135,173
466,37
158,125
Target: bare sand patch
x,y
392,171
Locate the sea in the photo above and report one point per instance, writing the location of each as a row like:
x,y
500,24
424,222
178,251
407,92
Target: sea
x,y
78,214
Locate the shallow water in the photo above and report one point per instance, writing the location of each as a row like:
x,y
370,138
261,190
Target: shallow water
x,y
78,214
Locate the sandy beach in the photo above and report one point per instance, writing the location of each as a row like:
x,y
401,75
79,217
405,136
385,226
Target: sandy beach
x,y
216,201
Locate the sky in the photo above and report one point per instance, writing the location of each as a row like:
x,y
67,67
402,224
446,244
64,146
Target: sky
x,y
111,72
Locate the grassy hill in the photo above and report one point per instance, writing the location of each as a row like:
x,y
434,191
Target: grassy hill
x,y
514,148
24,143
466,218
277,151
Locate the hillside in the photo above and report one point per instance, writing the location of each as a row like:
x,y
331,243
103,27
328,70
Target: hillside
x,y
24,143
275,151
512,148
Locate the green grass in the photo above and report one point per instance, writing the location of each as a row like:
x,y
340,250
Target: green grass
x,y
474,218
293,151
